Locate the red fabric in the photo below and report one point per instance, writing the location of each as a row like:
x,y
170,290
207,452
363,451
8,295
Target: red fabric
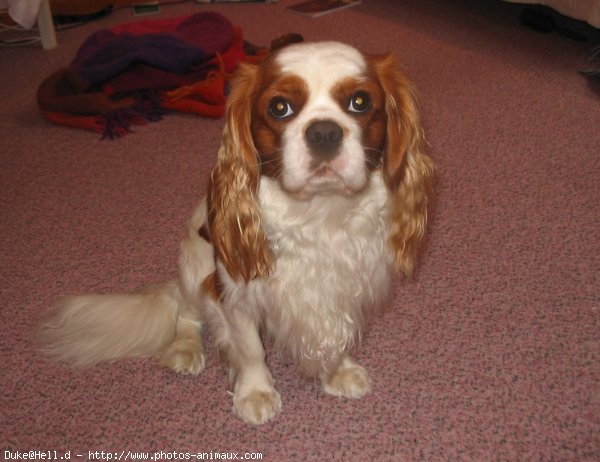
x,y
75,121
205,98
142,92
235,54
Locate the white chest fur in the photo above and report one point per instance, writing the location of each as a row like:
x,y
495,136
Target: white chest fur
x,y
331,266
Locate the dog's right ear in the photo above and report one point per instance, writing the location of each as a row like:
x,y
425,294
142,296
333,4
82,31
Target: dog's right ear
x,y
233,212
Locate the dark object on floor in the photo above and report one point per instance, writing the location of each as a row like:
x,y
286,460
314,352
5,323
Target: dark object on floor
x,y
547,21
79,18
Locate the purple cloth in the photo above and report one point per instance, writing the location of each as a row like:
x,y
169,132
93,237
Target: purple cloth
x,y
162,51
173,46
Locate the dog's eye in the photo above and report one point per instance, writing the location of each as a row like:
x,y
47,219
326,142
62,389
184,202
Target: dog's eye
x,y
360,102
280,108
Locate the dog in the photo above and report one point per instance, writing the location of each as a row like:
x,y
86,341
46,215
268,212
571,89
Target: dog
x,y
319,194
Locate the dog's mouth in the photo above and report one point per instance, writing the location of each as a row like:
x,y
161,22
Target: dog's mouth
x,y
324,172
325,180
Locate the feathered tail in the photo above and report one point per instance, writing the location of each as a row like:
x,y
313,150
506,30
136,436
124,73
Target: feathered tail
x,y
85,330
163,321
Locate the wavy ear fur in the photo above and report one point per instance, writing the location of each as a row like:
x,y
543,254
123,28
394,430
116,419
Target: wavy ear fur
x,y
234,216
407,169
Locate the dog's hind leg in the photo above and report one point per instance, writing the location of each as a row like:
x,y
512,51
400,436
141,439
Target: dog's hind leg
x,y
185,354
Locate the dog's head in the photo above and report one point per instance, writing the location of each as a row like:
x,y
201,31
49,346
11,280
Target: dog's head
x,y
318,118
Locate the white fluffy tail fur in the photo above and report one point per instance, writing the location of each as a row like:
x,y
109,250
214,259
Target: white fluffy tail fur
x,y
85,330
163,321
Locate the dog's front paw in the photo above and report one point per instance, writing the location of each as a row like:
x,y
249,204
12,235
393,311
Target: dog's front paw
x,y
185,356
258,406
348,381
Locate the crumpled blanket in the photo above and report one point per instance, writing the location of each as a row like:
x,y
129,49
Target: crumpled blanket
x,y
134,73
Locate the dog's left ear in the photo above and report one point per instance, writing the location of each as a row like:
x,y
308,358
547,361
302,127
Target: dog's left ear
x,y
407,169
233,212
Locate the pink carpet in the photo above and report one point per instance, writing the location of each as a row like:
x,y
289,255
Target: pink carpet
x,y
492,352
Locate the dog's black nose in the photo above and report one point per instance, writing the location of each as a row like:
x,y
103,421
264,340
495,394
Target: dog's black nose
x,y
324,138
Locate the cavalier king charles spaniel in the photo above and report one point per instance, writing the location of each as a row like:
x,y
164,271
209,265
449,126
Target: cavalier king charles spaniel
x,y
319,192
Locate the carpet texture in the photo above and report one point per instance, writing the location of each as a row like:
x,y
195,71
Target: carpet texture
x,y
492,350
